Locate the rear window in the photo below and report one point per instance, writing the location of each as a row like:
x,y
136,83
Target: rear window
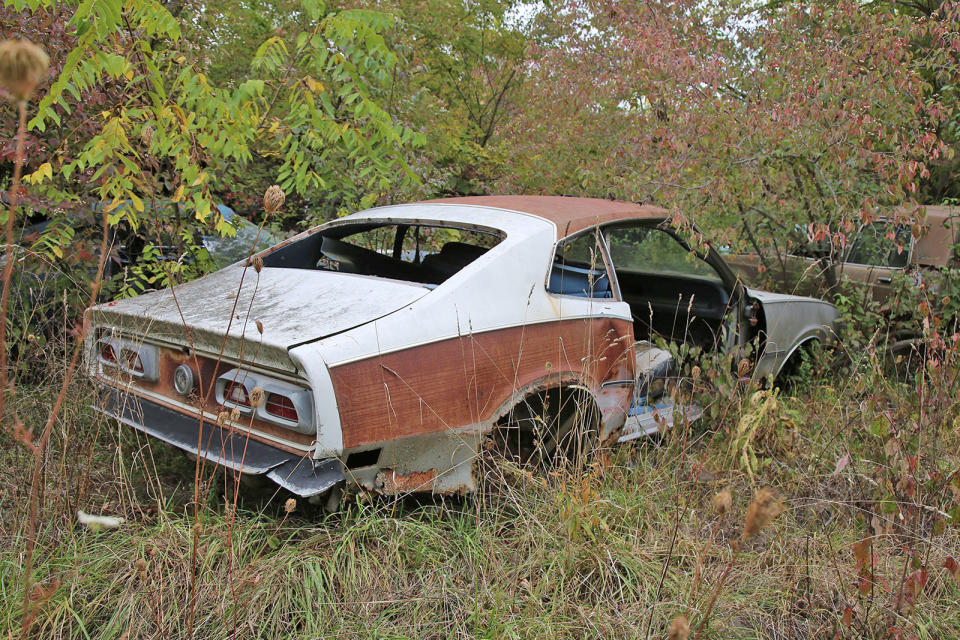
x,y
424,253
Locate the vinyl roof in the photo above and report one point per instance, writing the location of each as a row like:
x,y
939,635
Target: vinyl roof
x,y
569,214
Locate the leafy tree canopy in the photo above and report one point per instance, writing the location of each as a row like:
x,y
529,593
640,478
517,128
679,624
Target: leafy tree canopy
x,y
139,110
770,125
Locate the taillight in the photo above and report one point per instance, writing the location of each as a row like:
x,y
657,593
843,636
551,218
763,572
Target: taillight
x,y
282,407
108,355
236,394
138,359
266,398
133,362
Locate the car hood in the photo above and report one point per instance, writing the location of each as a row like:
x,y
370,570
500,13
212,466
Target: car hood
x,y
293,306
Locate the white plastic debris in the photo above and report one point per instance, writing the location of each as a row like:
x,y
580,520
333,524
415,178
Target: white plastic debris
x,y
98,522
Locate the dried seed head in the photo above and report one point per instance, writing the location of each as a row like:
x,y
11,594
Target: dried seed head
x,y
273,199
257,263
222,418
234,414
763,508
146,136
679,629
23,65
722,502
695,372
256,397
290,505
197,528
259,327
141,567
744,368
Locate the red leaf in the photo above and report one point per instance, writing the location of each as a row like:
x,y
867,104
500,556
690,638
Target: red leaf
x,y
842,463
861,551
951,565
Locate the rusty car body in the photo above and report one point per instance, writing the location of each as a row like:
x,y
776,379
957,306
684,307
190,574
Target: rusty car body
x,y
390,347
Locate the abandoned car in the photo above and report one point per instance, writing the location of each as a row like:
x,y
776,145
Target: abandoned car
x,y
389,348
878,252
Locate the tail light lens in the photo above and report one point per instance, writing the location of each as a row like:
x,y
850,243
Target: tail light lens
x,y
285,404
282,407
134,363
107,354
236,394
138,359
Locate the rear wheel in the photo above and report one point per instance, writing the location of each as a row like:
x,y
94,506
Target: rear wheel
x,y
548,429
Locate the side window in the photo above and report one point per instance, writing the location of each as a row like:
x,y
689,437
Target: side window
x,y
651,250
578,269
880,245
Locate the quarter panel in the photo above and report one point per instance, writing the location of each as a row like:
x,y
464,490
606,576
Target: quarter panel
x,y
326,414
466,380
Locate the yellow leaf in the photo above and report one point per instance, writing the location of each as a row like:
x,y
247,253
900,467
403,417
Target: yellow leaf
x,y
178,194
180,59
203,210
129,74
44,171
180,114
314,85
137,203
113,205
200,179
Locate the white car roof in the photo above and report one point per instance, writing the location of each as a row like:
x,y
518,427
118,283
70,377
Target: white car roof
x,y
515,224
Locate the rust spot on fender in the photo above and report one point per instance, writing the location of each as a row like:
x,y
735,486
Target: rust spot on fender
x,y
391,481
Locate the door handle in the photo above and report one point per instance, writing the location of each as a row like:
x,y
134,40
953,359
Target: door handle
x,y
885,279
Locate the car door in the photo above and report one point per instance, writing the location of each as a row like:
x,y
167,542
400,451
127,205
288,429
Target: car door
x,y
674,292
878,253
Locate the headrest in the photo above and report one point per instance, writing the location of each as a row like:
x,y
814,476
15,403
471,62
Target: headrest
x,y
461,252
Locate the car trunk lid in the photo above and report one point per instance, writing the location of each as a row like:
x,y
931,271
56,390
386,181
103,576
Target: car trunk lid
x,y
293,306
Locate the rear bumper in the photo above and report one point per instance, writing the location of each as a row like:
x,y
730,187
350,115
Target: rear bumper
x,y
648,419
300,475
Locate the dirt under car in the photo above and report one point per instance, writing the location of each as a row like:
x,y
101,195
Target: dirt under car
x,y
389,348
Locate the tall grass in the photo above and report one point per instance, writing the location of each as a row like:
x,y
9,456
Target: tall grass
x,y
577,553
670,536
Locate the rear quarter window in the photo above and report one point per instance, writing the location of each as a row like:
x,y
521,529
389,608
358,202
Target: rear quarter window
x,y
578,269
